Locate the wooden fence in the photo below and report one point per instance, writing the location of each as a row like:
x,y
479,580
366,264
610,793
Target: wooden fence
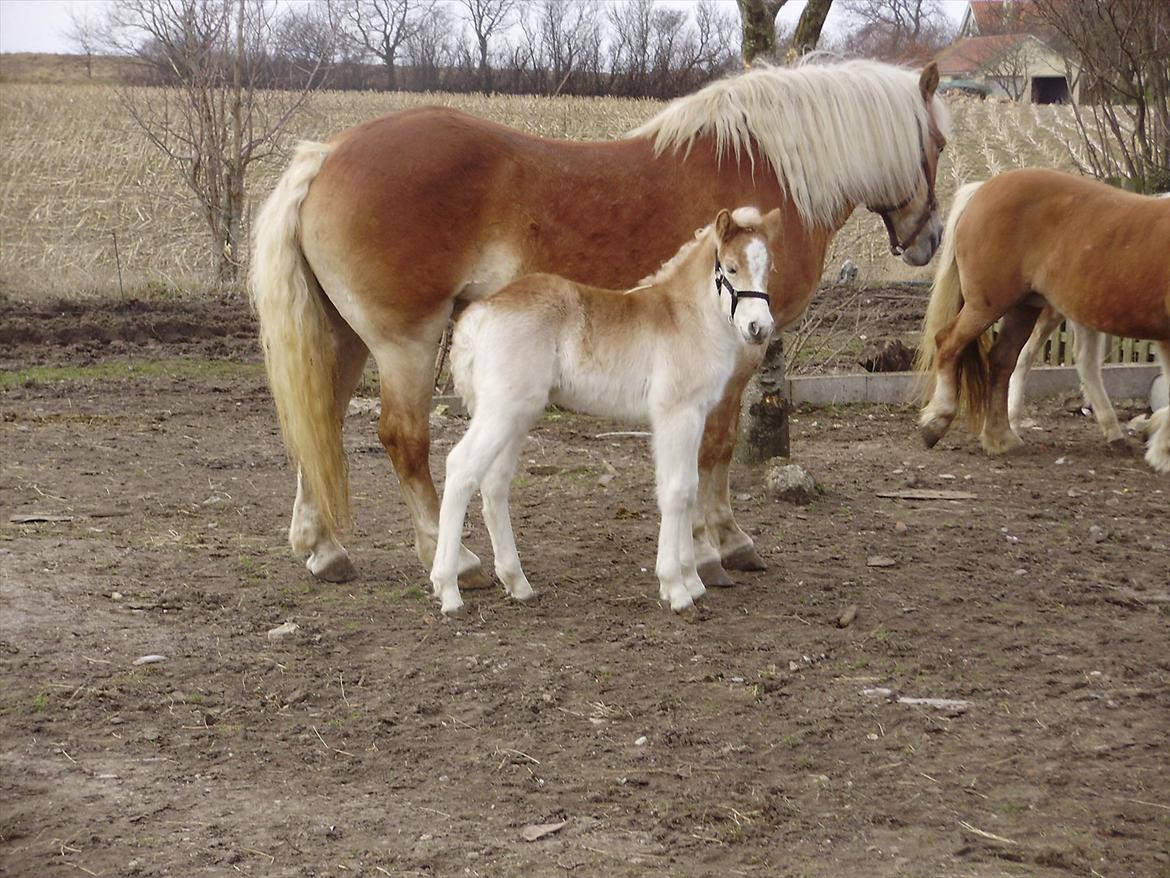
x,y
1058,350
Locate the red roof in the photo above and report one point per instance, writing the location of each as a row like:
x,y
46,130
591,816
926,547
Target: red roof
x,y
1006,16
971,54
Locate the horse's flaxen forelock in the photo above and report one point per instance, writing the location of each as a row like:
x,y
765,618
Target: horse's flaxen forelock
x,y
835,135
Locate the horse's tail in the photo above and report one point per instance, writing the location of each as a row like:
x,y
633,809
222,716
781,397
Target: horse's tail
x,y
946,298
298,341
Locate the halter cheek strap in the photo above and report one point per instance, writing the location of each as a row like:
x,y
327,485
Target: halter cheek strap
x,y
722,283
897,248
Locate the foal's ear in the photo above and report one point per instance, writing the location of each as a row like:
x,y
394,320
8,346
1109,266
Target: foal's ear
x,y
724,225
928,81
773,224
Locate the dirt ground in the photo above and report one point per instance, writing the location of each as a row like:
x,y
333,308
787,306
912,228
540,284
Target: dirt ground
x,y
382,739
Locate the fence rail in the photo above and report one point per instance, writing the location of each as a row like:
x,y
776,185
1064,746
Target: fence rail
x,y
1058,350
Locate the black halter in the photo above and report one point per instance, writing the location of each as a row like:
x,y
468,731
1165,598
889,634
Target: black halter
x,y
722,283
896,246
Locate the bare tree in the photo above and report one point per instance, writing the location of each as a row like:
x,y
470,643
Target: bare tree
x,y
382,27
430,49
85,32
1009,68
305,39
759,28
1120,52
213,116
488,17
896,30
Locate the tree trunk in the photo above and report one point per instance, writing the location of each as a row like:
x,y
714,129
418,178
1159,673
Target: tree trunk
x,y
233,204
808,29
764,419
759,28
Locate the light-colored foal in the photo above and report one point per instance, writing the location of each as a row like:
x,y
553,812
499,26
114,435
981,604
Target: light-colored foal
x,y
662,352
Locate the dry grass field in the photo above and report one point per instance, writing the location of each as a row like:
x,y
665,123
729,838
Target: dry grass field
x,y
73,171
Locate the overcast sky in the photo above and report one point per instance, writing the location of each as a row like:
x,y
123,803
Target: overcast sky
x,y
40,25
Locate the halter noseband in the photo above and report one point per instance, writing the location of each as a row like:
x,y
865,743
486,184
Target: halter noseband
x,y
896,246
722,283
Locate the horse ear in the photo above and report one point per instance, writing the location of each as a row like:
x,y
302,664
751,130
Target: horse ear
x,y
928,81
724,225
773,224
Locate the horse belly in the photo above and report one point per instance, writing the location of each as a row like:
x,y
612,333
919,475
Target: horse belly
x,y
610,384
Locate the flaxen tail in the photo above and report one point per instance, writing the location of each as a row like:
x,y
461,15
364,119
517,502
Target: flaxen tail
x,y
946,298
298,341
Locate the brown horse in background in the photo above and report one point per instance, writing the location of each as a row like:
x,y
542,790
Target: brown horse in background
x,y
368,243
1020,242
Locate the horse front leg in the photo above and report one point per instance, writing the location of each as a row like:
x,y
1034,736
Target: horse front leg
x,y
720,542
1089,350
676,448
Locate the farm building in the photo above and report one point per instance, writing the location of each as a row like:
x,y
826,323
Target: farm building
x,y
1002,51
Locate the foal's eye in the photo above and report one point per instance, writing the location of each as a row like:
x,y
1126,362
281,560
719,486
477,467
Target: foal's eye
x,y
730,270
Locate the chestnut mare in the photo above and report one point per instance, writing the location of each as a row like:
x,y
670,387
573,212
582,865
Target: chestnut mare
x,y
369,242
1022,241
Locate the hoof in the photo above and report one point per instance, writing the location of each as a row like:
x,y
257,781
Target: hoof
x,y
336,569
744,558
474,580
930,435
995,446
714,576
524,593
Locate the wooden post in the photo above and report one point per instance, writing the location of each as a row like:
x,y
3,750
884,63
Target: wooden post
x,y
763,430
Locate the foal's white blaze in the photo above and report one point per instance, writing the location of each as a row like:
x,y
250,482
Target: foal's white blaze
x,y
753,318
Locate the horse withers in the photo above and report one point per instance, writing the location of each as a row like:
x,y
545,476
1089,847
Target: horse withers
x,y
1022,241
662,352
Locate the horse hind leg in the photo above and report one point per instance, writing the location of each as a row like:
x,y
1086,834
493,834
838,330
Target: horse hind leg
x,y
467,465
964,330
1048,321
308,532
1089,350
997,436
406,376
497,516
1158,447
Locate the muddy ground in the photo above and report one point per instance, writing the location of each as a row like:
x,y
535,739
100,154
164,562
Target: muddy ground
x,y
382,739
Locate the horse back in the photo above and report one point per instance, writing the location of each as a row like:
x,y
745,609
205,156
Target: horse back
x,y
1098,254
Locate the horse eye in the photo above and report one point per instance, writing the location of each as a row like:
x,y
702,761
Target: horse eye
x,y
730,270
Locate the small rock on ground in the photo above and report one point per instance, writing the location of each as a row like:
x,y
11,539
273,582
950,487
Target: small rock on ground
x,y
790,482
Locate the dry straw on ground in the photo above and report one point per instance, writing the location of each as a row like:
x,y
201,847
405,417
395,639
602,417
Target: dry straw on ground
x,y
74,171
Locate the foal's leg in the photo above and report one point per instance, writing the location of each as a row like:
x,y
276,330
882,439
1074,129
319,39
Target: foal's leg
x,y
406,373
1158,447
997,436
308,532
496,516
676,448
1089,349
467,464
1048,321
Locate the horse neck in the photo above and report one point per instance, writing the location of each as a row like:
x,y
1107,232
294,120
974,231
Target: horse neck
x,y
690,286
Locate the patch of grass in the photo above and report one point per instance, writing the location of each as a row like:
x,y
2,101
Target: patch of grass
x,y
39,703
187,370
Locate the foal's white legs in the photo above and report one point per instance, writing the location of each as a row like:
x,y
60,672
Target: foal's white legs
x,y
498,519
467,464
676,454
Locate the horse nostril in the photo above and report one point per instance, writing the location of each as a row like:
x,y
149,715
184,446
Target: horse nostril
x,y
754,329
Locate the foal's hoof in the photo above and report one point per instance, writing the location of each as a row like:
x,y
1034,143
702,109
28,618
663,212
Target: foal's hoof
x,y
337,568
474,580
1122,445
744,558
454,610
714,576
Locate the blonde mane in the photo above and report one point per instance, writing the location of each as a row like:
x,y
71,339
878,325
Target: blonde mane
x,y
835,135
